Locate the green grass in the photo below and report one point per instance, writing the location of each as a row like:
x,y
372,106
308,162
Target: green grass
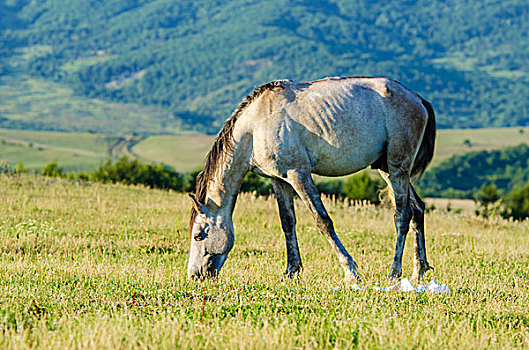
x,y
93,144
185,153
99,266
34,158
30,103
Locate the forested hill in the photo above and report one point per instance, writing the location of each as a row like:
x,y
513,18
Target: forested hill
x,y
197,59
461,176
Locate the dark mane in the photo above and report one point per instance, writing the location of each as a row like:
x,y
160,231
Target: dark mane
x,y
223,145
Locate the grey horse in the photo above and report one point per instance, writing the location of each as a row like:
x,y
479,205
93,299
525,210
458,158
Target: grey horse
x,y
287,130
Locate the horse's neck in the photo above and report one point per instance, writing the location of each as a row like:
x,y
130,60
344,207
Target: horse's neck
x,y
224,186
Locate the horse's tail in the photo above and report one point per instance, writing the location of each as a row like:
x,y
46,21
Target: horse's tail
x,y
426,149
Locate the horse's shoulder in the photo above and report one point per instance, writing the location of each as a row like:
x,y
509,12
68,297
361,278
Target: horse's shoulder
x,y
278,92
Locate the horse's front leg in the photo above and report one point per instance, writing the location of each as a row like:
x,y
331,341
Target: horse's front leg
x,y
306,189
420,262
285,203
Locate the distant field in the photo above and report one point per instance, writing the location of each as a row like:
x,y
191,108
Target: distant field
x,y
452,141
85,143
186,152
73,151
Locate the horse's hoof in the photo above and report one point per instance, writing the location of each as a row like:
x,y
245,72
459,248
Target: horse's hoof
x,y
291,273
425,267
352,277
394,273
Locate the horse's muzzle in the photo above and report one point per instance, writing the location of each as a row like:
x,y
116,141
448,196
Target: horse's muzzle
x,y
210,270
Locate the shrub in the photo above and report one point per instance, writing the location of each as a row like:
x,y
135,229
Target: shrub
x,y
516,203
133,172
488,199
332,187
257,184
52,169
4,167
363,187
191,180
20,168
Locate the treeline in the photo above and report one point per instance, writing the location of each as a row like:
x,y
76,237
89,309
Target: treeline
x,y
126,171
196,59
491,199
462,176
497,180
135,172
514,204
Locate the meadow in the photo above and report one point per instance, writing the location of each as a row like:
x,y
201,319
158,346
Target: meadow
x,y
103,266
35,149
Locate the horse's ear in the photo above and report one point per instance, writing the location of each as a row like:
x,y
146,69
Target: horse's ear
x,y
199,207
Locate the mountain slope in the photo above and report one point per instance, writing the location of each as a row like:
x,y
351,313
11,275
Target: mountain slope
x,y
196,59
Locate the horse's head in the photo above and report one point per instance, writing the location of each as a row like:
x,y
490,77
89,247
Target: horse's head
x,y
211,240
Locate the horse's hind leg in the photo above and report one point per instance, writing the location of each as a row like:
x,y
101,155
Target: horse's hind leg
x,y
399,180
306,189
285,202
420,262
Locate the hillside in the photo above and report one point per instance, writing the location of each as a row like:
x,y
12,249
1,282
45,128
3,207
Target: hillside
x,y
461,176
194,60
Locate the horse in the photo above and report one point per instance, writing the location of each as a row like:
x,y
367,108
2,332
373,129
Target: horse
x,y
287,130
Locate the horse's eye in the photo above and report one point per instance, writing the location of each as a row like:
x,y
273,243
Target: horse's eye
x,y
202,234
198,236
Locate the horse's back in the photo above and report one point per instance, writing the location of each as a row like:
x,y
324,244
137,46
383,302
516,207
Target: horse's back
x,y
333,127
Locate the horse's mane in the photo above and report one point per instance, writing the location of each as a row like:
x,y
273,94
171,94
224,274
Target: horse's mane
x,y
223,145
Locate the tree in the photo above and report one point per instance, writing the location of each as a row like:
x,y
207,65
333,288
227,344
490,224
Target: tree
x,y
52,169
363,187
488,194
488,199
256,184
517,203
333,187
191,181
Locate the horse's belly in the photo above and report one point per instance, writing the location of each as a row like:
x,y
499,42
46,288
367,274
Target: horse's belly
x,y
343,163
347,154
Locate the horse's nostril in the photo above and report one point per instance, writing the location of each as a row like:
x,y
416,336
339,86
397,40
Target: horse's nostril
x,y
194,274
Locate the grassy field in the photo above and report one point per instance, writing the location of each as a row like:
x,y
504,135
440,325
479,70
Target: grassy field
x,y
98,266
451,142
184,153
73,151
